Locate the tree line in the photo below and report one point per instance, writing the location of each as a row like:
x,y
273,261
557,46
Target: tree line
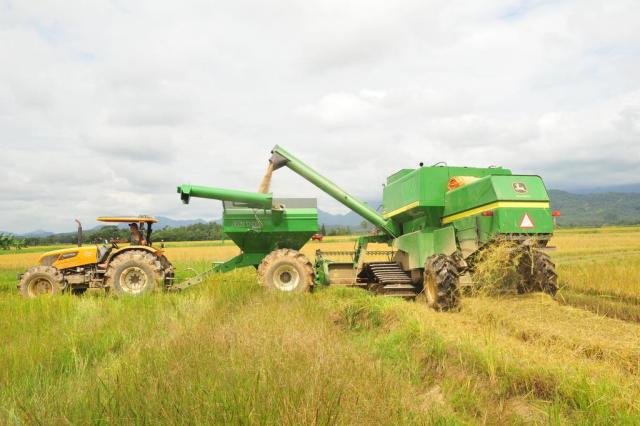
x,y
8,242
196,232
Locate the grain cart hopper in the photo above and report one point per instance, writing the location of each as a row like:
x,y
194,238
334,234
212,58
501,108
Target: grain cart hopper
x,y
437,220
269,233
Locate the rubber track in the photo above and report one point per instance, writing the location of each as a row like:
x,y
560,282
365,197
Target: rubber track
x,y
391,280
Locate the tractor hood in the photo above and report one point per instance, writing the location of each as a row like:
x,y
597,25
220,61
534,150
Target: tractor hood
x,y
70,257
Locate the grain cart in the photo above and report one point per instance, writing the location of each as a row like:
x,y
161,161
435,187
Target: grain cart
x,y
269,232
437,220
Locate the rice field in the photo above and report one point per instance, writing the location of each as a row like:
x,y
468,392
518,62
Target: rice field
x,y
229,352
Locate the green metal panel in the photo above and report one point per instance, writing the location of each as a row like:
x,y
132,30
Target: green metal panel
x,y
508,221
421,192
421,244
321,268
495,188
417,246
474,231
265,230
467,235
444,240
239,261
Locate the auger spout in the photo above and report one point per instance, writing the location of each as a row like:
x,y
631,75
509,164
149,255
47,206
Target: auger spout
x,y
281,158
251,199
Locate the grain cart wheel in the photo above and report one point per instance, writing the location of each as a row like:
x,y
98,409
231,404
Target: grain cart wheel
x,y
41,281
440,282
537,270
286,270
133,273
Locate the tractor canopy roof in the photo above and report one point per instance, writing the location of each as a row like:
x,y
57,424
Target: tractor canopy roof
x,y
127,219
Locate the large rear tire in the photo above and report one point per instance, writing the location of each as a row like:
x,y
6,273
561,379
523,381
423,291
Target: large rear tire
x,y
286,270
440,283
134,273
538,272
41,281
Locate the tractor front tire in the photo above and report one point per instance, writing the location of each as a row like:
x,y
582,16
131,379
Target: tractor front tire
x,y
440,283
286,270
134,273
538,272
41,281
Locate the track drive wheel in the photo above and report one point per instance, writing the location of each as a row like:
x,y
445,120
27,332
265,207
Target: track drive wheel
x,y
41,281
538,272
286,270
440,283
134,273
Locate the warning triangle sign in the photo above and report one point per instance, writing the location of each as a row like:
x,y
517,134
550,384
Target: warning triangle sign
x,y
526,222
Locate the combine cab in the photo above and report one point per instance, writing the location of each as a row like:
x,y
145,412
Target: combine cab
x,y
130,270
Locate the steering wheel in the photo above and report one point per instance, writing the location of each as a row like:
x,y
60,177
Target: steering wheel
x,y
113,242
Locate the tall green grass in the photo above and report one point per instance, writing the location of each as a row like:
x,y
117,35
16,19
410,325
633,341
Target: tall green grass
x,y
228,351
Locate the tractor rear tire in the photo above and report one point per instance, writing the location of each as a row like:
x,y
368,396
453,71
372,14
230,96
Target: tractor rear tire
x,y
538,272
440,283
134,273
286,270
40,281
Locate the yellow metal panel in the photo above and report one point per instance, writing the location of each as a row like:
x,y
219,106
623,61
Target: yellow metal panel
x,y
401,210
496,205
73,257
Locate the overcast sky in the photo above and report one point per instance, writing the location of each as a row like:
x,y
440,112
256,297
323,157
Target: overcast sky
x,y
106,106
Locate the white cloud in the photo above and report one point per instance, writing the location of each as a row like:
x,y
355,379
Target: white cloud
x,y
106,106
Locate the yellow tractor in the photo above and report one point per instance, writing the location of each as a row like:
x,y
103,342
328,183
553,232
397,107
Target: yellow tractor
x,y
128,270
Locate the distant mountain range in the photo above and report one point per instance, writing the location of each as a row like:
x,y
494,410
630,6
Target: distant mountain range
x,y
634,187
596,209
577,209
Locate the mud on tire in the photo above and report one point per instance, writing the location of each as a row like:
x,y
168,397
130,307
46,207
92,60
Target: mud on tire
x,y
440,283
286,270
134,273
41,280
537,270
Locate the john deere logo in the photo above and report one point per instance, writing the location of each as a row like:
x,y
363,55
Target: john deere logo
x,y
520,187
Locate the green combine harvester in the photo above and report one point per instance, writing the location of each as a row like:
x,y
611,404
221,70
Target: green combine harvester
x,y
436,220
